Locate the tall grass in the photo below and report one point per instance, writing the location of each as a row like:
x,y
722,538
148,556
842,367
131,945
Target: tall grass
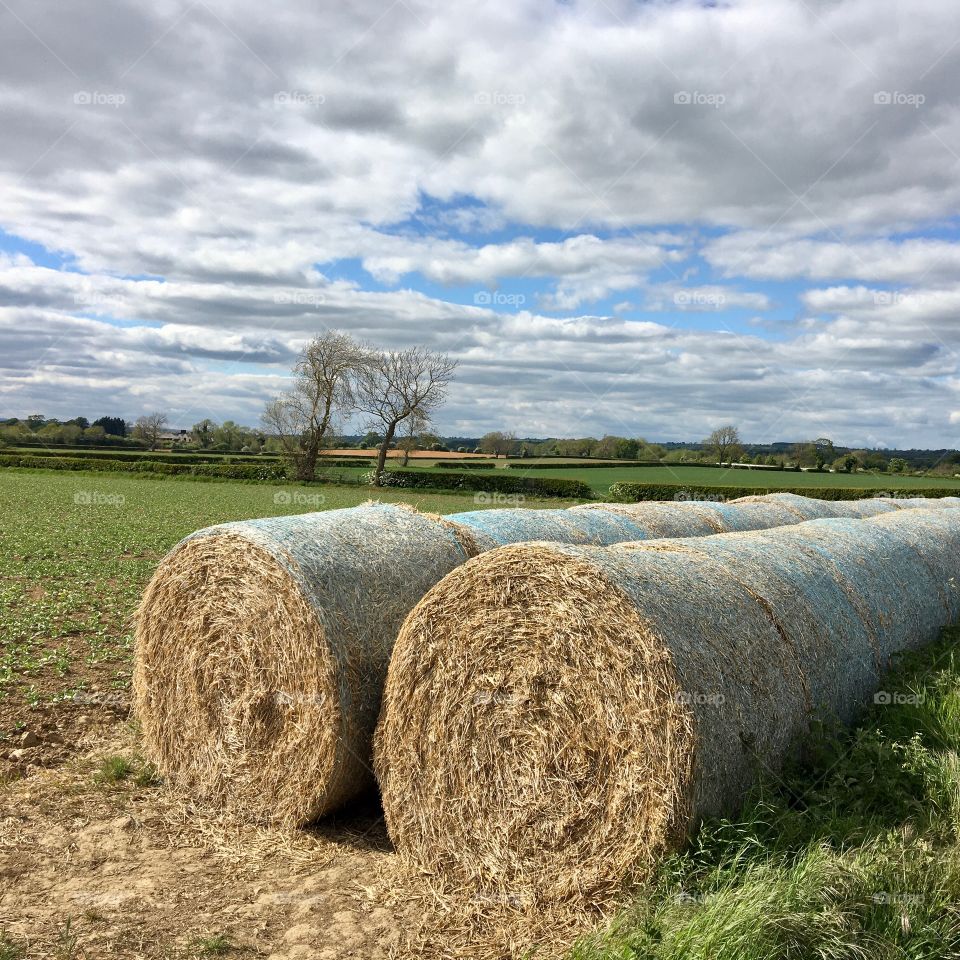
x,y
852,853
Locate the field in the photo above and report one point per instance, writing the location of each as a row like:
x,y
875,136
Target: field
x,y
703,478
854,855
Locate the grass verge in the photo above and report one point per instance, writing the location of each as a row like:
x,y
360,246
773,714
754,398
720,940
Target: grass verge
x,y
852,853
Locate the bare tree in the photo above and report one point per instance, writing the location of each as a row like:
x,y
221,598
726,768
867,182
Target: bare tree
x,y
499,443
724,441
399,384
149,428
412,441
323,394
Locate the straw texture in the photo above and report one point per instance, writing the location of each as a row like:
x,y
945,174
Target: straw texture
x,y
556,717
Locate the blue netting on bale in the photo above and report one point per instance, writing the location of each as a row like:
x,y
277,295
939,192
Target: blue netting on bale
x,y
813,611
869,507
923,503
928,532
660,519
809,508
493,528
891,582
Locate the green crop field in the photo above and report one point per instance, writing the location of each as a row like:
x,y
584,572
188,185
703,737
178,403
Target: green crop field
x,y
76,550
703,478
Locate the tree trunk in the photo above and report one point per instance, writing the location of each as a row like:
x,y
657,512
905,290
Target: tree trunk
x,y
307,464
382,455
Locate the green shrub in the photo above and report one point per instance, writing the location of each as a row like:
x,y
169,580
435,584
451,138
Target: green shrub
x,y
269,470
635,492
497,483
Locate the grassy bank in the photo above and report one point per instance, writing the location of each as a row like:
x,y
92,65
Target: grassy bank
x,y
854,853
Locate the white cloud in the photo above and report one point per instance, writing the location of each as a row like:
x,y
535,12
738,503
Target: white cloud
x,y
243,159
889,261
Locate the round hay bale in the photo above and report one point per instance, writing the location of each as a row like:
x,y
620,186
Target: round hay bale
x,y
585,707
927,531
809,508
262,646
869,507
813,610
541,739
892,584
922,503
498,527
662,519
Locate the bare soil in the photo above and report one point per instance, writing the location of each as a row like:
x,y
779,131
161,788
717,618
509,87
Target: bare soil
x,y
92,866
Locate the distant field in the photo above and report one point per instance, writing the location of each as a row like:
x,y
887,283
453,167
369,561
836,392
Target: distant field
x,y
698,478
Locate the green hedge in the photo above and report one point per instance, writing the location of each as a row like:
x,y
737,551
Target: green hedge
x,y
498,483
465,465
226,471
157,456
606,465
635,492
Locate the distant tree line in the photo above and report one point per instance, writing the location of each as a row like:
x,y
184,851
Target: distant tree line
x,y
396,394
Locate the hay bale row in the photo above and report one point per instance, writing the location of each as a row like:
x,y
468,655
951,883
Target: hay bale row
x,y
557,717
262,646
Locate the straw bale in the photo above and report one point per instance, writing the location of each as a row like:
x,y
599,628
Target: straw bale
x,y
500,526
555,717
262,648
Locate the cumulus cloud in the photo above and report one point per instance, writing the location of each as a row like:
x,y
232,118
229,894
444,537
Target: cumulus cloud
x,y
912,260
220,184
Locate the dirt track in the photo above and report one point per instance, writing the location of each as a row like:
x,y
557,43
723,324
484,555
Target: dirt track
x,y
92,869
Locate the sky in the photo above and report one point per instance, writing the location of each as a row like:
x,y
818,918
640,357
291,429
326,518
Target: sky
x,y
640,218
